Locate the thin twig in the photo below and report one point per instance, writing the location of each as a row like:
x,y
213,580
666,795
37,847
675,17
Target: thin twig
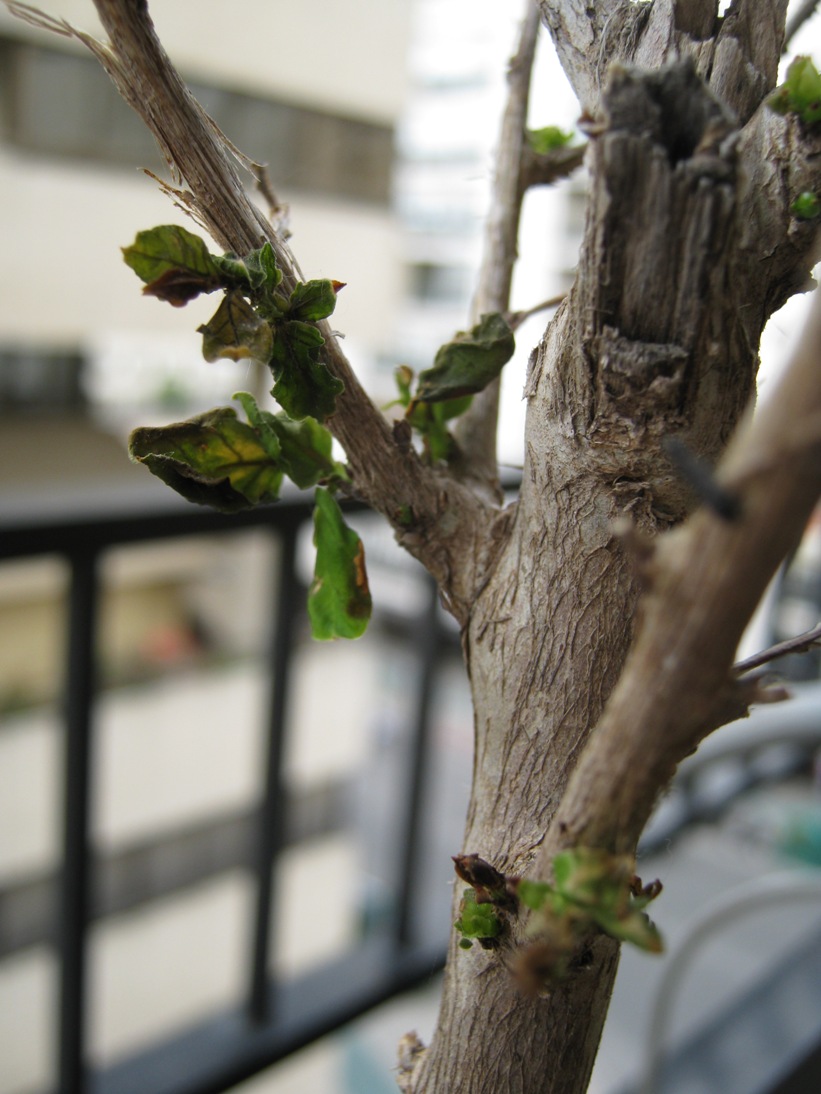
x,y
548,167
476,430
516,318
802,643
204,180
26,13
707,577
700,478
796,21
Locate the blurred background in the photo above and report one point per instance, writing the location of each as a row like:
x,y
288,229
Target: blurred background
x,y
222,750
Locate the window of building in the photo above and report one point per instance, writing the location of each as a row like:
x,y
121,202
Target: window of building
x,y
57,103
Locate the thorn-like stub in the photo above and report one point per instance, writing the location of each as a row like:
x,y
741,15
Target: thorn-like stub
x,y
478,873
410,1052
402,435
699,476
490,885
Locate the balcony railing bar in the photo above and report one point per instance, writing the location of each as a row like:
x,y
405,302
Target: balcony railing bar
x,y
217,1053
428,643
161,866
272,818
225,1050
75,883
75,530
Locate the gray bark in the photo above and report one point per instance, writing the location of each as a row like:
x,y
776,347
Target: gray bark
x,y
688,249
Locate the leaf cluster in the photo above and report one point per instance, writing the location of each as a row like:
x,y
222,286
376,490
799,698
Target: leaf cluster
x,y
216,458
477,921
462,367
255,319
548,139
800,94
592,889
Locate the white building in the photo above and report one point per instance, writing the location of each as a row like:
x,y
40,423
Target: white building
x,y
292,87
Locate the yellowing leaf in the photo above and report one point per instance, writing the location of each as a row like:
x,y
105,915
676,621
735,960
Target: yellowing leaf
x,y
212,459
302,449
339,600
236,331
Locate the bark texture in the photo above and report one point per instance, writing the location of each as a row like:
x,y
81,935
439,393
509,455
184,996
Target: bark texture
x,y
689,246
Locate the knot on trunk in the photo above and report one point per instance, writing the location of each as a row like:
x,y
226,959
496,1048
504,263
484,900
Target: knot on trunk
x,y
659,298
671,107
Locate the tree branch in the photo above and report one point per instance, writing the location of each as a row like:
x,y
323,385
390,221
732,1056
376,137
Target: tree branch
x,y
705,581
802,643
439,520
542,170
738,57
516,318
797,21
476,429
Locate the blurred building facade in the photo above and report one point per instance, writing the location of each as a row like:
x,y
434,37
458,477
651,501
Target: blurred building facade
x,y
291,89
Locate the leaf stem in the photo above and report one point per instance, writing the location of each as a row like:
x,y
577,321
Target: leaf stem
x,y
796,21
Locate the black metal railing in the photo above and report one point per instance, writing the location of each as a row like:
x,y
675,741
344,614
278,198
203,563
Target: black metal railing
x,y
274,1019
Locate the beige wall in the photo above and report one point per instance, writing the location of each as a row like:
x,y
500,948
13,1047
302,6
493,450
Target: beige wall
x,y
63,282
342,55
64,223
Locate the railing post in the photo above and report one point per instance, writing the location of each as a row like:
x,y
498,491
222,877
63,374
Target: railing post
x,y
427,639
74,904
272,811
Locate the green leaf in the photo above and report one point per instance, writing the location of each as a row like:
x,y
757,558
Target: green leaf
x,y
806,206
313,300
304,386
306,452
590,876
212,459
477,920
260,421
302,448
599,885
533,894
403,375
265,261
236,331
469,362
548,139
257,270
175,264
632,926
430,421
800,93
339,600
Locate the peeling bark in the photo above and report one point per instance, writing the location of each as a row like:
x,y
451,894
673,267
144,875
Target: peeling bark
x,y
688,248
